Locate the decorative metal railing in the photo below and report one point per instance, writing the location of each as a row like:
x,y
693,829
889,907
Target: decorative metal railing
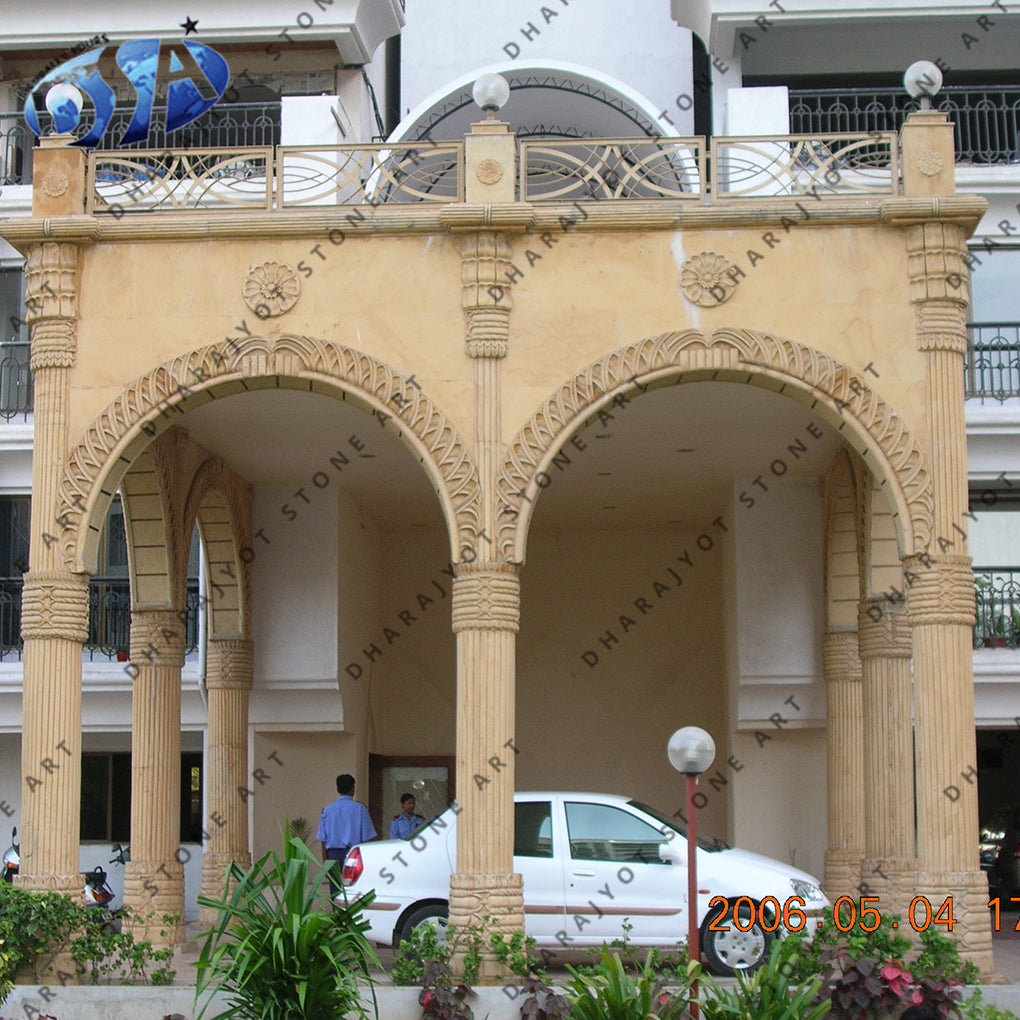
x,y
612,168
997,596
796,165
15,380
109,617
986,120
992,362
263,178
16,141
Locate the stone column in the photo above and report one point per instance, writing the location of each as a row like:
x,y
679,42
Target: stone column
x,y
940,605
154,877
54,616
940,586
841,665
486,615
889,868
228,683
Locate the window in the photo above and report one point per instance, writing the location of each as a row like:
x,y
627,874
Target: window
x,y
106,797
533,829
600,832
993,348
14,519
15,374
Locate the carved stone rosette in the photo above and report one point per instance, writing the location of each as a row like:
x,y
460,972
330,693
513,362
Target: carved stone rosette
x,y
486,294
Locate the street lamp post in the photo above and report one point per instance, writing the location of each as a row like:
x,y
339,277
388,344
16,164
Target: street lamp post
x,y
691,751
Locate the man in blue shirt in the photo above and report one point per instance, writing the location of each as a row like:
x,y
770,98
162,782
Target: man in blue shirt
x,y
344,823
407,821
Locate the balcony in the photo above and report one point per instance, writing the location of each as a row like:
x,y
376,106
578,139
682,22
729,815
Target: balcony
x,y
997,592
15,381
987,120
109,618
231,125
992,363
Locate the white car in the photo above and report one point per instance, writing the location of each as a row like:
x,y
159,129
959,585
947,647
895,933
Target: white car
x,y
591,861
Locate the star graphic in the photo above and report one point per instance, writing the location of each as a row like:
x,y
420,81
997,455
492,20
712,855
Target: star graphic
x,y
189,26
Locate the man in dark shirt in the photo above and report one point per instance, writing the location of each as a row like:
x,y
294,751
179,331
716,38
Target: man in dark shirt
x,y
343,824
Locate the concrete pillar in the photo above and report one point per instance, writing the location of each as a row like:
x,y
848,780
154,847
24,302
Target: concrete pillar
x,y
486,615
154,877
228,682
889,868
841,665
54,617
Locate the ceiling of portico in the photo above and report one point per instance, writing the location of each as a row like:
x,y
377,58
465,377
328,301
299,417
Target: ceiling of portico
x,y
668,458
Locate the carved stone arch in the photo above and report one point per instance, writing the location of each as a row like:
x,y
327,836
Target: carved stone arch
x,y
152,403
219,502
143,494
841,542
840,396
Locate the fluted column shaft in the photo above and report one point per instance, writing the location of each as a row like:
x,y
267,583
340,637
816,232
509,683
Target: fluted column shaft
x,y
486,614
54,619
940,602
228,683
845,760
154,878
889,866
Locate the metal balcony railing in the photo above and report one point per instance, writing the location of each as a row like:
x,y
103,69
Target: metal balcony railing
x,y
230,125
15,380
987,120
997,597
109,617
992,363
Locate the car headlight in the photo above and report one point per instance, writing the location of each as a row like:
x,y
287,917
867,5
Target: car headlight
x,y
805,890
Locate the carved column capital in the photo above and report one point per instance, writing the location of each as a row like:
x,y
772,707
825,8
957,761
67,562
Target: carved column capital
x,y
55,604
51,299
486,596
940,590
883,629
841,660
939,285
485,265
157,638
229,663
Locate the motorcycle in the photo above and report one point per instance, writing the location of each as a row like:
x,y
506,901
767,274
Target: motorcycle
x,y
12,857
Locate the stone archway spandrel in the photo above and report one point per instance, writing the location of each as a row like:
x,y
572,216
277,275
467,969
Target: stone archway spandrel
x,y
155,401
736,355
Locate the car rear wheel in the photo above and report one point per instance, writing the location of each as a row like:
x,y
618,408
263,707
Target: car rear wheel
x,y
730,949
433,914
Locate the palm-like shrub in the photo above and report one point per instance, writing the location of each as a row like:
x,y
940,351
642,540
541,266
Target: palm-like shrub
x,y
275,952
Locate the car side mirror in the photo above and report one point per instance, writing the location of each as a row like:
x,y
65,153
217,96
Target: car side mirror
x,y
669,854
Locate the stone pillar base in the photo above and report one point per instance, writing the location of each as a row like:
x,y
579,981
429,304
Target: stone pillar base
x,y
153,889
69,885
489,904
214,879
842,873
894,881
967,892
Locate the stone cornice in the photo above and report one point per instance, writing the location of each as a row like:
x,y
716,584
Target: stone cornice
x,y
516,217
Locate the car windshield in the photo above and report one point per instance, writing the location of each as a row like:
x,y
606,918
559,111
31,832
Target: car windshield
x,y
704,842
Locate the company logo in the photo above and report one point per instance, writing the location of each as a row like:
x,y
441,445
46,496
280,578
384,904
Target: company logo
x,y
139,60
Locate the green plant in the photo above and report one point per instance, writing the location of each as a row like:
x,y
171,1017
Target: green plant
x,y
608,992
975,1008
274,953
6,975
517,954
940,958
413,954
301,828
769,993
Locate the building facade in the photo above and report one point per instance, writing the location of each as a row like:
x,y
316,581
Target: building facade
x,y
480,453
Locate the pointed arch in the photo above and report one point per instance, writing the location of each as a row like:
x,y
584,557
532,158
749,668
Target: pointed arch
x,y
841,397
155,401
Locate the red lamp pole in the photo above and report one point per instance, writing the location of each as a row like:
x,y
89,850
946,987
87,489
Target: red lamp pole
x,y
693,948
